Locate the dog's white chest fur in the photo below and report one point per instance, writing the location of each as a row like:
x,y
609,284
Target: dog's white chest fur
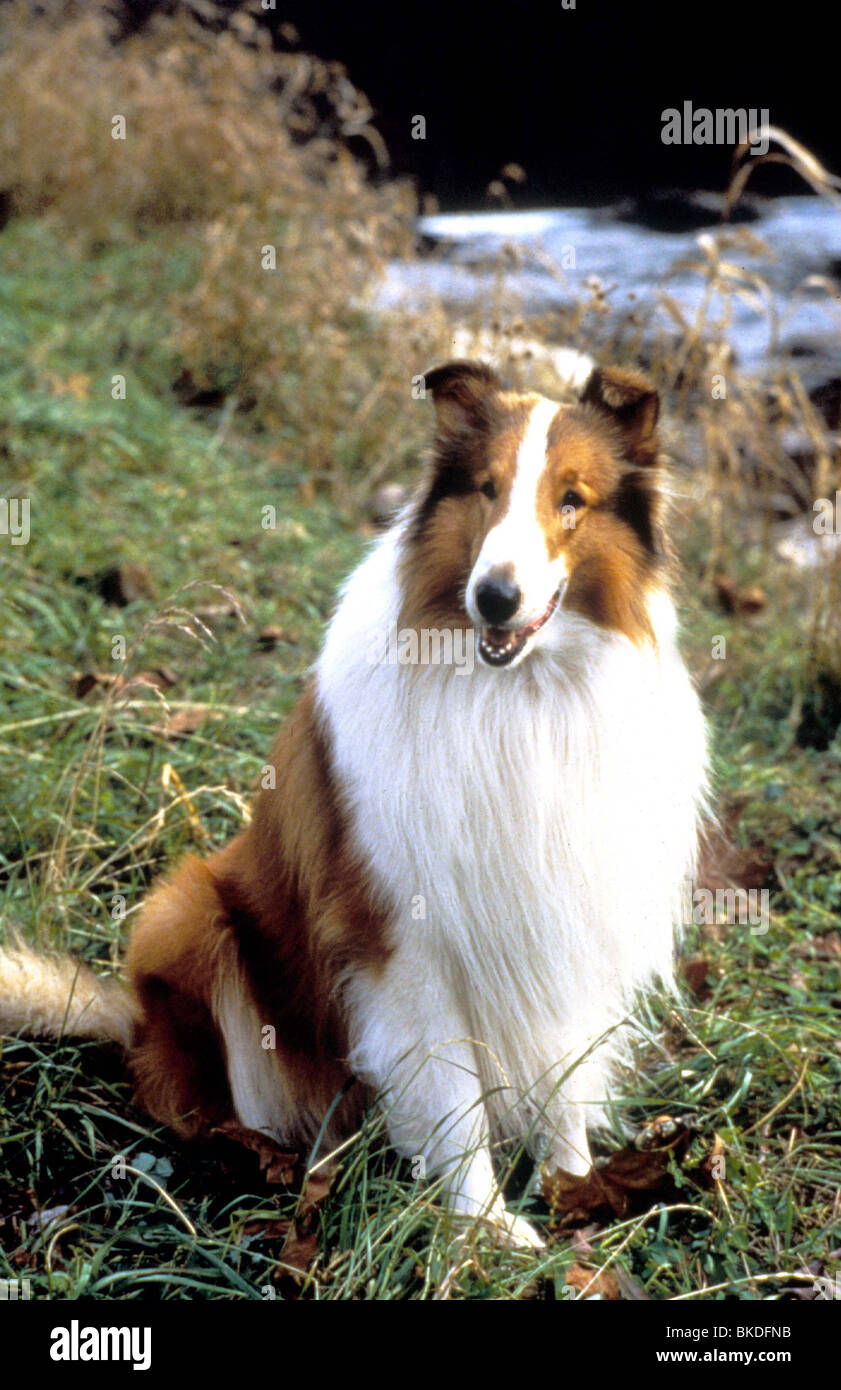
x,y
529,830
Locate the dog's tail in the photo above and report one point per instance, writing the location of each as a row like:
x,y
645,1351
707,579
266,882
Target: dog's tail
x,y
57,996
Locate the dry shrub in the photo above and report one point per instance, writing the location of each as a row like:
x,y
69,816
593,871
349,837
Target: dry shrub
x,y
245,148
296,344
213,119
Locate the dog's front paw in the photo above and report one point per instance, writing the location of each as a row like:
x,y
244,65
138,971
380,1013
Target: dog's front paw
x,y
482,1207
514,1232
505,1228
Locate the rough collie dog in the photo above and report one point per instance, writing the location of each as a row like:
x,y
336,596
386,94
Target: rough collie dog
x,y
466,870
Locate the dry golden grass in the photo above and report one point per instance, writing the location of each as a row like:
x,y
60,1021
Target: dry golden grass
x,y
297,346
212,120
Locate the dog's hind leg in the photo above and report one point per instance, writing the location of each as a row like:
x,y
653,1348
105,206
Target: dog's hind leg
x,y
174,955
208,1049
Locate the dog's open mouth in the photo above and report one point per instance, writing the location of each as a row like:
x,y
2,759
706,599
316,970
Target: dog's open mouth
x,y
498,646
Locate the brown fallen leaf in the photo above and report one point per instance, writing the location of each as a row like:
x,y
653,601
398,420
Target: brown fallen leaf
x,y
276,1164
123,584
301,1244
272,1228
827,946
695,971
184,722
629,1289
83,682
722,864
299,1251
734,599
630,1180
712,1169
579,1241
196,391
316,1188
268,637
162,676
597,1283
24,1259
159,678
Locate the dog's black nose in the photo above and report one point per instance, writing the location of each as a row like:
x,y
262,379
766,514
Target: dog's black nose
x,y
497,598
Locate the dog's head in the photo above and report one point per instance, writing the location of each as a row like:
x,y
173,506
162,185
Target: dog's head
x,y
534,507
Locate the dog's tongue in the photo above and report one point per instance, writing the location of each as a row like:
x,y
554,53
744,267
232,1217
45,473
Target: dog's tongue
x,y
498,636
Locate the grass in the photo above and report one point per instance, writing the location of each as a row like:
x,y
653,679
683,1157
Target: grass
x,y
241,151
101,793
187,539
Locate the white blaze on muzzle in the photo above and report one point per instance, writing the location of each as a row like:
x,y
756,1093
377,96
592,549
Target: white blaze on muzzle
x,y
516,552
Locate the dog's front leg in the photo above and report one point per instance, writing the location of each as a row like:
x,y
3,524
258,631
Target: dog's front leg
x,y
567,1150
411,1045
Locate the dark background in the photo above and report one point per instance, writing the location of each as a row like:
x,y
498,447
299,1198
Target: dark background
x,y
576,96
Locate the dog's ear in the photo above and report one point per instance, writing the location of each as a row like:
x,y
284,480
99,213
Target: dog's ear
x,y
461,392
632,403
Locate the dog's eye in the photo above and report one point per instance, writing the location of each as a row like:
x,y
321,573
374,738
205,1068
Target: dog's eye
x,y
489,489
571,498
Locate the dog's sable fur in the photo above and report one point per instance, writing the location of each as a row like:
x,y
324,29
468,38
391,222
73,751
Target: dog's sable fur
x,y
458,886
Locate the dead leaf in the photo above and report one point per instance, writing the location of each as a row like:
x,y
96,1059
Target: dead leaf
x,y
184,721
710,1171
617,1184
161,678
301,1244
273,1228
39,1220
597,1283
299,1251
742,601
192,391
123,584
695,971
824,947
276,1164
579,1241
268,637
723,866
629,1289
316,1188
83,682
